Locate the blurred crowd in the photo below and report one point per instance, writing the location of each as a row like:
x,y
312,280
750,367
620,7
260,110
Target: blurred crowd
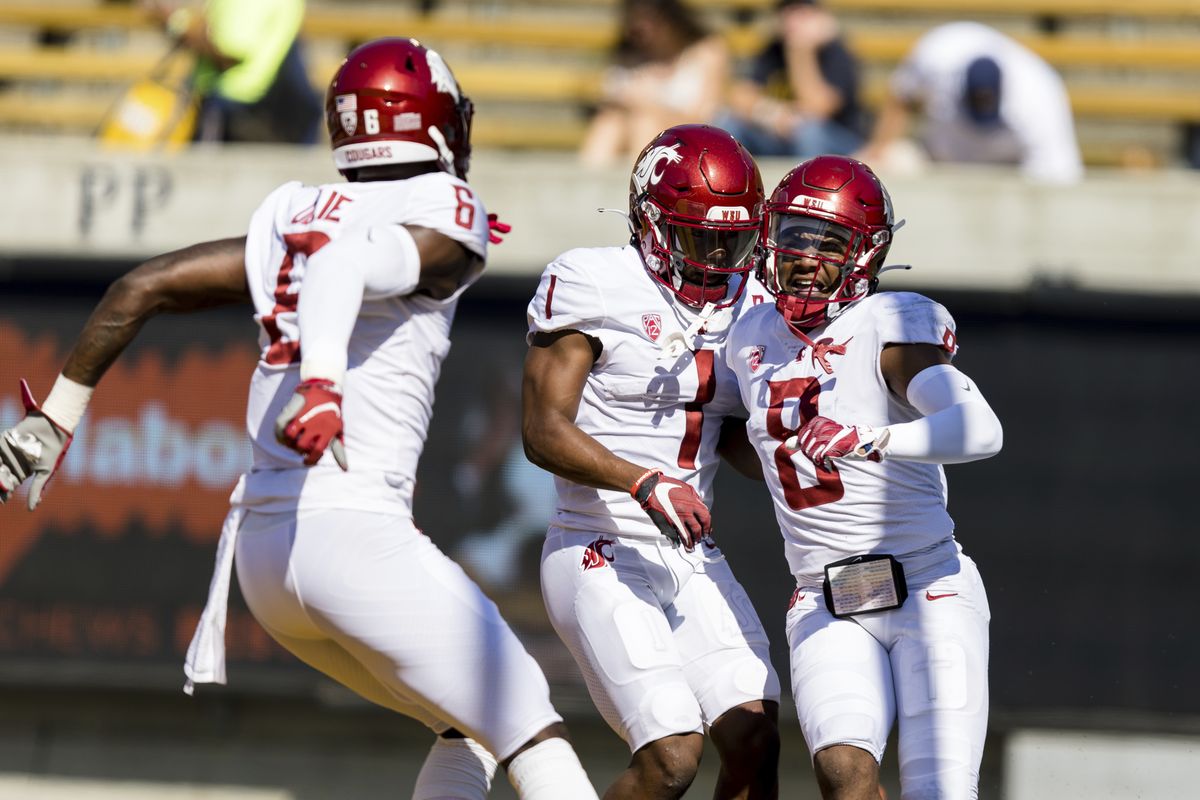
x,y
964,93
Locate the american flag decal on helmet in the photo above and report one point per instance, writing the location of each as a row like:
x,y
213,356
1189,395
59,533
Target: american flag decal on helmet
x,y
652,324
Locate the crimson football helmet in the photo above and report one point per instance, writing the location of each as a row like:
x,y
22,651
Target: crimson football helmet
x,y
394,101
695,206
828,211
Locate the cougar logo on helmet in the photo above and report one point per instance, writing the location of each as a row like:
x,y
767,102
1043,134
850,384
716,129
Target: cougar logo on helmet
x,y
645,174
442,77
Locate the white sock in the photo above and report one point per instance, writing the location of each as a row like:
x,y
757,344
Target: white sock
x,y
550,770
455,769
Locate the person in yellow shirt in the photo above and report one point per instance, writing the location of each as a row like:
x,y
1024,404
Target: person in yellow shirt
x,y
250,73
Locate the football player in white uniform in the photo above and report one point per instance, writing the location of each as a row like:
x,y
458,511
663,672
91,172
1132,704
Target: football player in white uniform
x,y
354,287
626,399
854,408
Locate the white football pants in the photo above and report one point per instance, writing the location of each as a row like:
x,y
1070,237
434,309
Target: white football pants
x,y
925,661
370,601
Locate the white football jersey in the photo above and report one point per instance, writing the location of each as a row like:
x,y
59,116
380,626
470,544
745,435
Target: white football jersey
x,y
395,353
642,403
896,507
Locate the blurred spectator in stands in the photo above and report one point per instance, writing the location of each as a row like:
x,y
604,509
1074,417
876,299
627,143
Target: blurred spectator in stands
x,y
799,96
667,69
984,98
250,72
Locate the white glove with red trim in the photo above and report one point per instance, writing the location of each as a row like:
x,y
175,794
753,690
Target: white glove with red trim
x,y
35,447
312,421
674,507
823,440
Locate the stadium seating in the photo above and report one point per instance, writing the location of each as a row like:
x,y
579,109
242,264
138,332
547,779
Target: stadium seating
x,y
534,65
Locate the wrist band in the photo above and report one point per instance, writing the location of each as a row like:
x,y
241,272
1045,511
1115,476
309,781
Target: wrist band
x,y
67,401
642,479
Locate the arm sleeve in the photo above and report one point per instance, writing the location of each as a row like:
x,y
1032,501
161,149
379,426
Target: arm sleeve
x,y
958,425
373,262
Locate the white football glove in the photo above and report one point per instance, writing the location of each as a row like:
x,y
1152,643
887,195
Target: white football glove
x,y
34,447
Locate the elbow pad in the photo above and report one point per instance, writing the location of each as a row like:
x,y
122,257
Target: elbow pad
x,y
958,424
384,258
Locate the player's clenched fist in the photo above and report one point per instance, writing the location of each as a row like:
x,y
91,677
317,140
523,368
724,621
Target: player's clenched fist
x,y
35,447
674,507
823,440
312,421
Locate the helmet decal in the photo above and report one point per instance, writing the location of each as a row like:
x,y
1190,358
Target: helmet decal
x,y
440,74
645,174
406,121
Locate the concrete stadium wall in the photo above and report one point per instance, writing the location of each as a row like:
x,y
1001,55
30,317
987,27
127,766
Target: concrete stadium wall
x,y
966,228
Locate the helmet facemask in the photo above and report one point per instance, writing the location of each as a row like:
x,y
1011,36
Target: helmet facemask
x,y
817,268
694,256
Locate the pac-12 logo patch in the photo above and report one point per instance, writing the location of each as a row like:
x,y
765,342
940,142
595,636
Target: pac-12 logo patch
x,y
652,323
597,554
756,357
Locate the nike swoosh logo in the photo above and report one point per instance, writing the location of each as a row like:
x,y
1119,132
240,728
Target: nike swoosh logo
x,y
929,596
663,493
321,409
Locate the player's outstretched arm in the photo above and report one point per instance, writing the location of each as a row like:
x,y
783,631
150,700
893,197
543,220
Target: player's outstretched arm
x,y
958,423
196,277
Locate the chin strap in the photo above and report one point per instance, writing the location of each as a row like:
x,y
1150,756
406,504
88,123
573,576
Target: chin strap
x,y
710,319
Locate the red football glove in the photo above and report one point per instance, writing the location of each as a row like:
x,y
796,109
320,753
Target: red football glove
x,y
823,440
312,421
674,507
497,229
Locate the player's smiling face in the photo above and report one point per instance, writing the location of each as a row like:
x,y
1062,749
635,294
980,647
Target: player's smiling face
x,y
810,256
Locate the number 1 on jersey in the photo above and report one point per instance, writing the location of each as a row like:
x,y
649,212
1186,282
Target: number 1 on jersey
x,y
693,429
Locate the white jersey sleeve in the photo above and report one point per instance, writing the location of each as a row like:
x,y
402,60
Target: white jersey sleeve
x,y
452,208
568,297
908,318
